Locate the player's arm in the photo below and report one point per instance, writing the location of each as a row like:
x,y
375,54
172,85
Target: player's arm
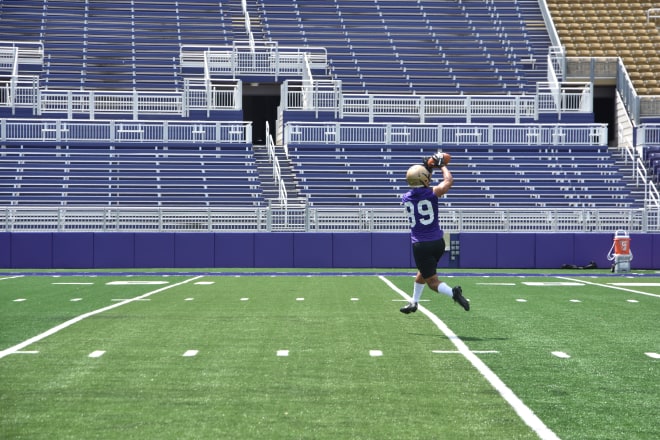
x,y
447,181
440,161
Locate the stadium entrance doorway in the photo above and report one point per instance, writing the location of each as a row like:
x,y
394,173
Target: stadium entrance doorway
x,y
605,109
260,106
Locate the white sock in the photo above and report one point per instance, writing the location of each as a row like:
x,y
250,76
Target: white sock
x,y
417,292
445,289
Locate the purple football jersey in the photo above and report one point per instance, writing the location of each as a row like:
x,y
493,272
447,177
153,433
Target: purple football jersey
x,y
421,205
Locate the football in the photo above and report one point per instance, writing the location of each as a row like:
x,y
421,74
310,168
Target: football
x,y
446,158
438,160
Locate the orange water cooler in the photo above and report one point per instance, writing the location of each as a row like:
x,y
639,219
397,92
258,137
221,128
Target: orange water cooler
x,y
620,253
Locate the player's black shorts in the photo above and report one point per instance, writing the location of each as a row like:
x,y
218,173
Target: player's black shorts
x,y
427,254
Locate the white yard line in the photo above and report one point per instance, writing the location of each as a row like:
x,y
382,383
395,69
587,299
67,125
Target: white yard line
x,y
526,414
610,286
9,278
77,319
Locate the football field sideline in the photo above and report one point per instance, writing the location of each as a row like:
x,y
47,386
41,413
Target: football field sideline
x,y
526,414
520,363
79,318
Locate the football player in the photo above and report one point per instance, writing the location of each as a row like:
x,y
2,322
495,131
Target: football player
x,y
428,244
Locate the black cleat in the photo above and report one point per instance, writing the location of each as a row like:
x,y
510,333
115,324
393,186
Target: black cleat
x,y
459,298
411,307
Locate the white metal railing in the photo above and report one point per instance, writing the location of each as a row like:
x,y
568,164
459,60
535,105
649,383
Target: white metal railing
x,y
268,59
312,95
648,134
123,131
204,94
566,97
247,20
633,157
277,172
310,219
652,195
16,53
544,135
20,91
220,96
8,59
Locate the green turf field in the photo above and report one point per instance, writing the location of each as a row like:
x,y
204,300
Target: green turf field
x,y
328,356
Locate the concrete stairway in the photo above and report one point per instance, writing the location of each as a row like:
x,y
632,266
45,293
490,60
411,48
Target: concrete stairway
x,y
268,183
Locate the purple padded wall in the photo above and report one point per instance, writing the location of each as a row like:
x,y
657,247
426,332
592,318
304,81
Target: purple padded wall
x,y
273,249
643,248
351,250
114,250
73,250
322,250
391,249
516,251
5,249
312,250
154,250
32,250
478,250
553,250
591,247
234,250
193,249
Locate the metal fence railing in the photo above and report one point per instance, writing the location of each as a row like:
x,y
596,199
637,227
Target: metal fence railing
x,y
545,135
122,131
309,219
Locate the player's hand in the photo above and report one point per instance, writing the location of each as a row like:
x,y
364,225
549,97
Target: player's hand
x,y
438,160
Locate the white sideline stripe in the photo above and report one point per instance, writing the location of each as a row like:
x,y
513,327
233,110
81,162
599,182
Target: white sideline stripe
x,y
561,354
35,352
525,414
635,284
610,286
496,284
135,283
73,284
555,283
458,352
70,322
9,278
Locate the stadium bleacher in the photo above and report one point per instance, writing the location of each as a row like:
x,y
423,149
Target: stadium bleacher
x,y
608,29
372,175
129,175
376,46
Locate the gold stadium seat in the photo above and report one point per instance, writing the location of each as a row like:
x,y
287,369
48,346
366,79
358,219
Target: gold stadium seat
x,y
614,32
654,62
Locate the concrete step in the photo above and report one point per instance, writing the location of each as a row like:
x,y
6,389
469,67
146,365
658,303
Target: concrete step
x,y
270,188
